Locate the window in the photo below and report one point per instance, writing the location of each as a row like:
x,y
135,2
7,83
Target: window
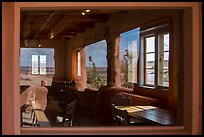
x,y
36,64
78,63
96,64
149,60
156,59
43,64
144,57
163,67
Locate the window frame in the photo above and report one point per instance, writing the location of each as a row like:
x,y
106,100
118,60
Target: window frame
x,y
78,63
38,57
158,86
192,74
144,61
92,44
153,30
146,34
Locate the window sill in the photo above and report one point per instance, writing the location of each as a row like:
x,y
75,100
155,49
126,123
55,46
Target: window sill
x,y
154,88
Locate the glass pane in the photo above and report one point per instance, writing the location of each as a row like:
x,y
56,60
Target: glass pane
x,y
163,78
34,64
78,64
166,78
150,64
150,44
166,56
166,42
42,64
150,57
96,64
166,64
129,55
150,74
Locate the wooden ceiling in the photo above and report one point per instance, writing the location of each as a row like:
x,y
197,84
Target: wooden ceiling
x,y
64,24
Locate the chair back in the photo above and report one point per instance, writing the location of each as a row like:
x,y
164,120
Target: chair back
x,y
68,115
120,117
120,100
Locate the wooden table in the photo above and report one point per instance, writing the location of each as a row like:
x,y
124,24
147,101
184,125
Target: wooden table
x,y
40,115
150,113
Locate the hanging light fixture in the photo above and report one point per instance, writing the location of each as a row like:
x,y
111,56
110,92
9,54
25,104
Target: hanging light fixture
x,y
84,12
39,45
51,35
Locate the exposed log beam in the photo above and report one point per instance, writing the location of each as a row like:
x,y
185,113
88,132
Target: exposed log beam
x,y
73,20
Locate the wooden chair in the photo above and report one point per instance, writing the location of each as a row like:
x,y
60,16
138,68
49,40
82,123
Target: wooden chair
x,y
121,118
65,93
66,119
117,115
120,100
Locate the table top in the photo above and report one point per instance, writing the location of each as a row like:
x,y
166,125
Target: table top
x,y
41,117
150,113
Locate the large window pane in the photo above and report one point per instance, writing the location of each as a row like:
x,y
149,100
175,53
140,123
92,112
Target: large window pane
x,y
150,60
129,54
96,64
36,65
163,68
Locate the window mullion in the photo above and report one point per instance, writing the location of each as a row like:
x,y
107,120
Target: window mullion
x,y
144,61
38,64
156,61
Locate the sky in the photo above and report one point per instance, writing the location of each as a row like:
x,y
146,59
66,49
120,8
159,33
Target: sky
x,y
26,55
127,39
98,52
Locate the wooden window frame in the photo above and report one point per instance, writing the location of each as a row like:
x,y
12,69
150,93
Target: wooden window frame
x,y
155,34
145,84
192,91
